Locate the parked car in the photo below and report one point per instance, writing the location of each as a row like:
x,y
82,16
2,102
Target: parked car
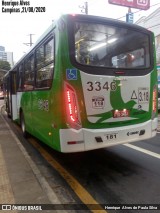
x,y
1,94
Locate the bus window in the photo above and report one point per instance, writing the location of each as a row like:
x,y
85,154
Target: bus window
x,y
29,73
49,46
20,78
45,65
44,76
40,57
105,46
14,82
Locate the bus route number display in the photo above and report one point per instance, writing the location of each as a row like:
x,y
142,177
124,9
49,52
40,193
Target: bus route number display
x,y
98,102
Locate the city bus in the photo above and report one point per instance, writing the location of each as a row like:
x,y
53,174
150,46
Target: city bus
x,y
89,82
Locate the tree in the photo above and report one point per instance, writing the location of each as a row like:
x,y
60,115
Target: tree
x,y
5,65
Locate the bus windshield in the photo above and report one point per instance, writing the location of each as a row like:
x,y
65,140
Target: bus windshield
x,y
111,46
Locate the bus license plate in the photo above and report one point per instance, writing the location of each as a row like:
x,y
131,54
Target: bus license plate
x,y
120,113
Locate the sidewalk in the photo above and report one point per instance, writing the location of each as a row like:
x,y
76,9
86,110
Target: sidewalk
x,y
20,180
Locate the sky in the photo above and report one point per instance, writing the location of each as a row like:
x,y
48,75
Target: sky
x,y
16,27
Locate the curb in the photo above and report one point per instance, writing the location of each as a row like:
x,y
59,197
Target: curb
x,y
40,178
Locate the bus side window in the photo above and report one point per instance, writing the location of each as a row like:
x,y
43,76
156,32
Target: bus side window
x,y
49,51
45,67
29,73
20,78
14,83
40,57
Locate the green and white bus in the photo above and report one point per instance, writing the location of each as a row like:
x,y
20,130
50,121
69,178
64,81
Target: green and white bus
x,y
89,82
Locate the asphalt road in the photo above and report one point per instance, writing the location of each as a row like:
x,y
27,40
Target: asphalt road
x,y
124,174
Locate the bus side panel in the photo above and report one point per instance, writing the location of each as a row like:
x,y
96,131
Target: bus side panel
x,y
26,108
14,108
38,108
41,115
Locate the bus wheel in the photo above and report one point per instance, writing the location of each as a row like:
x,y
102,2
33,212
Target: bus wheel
x,y
23,125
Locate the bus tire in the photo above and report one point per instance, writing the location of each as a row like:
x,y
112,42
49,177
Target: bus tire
x,y
23,126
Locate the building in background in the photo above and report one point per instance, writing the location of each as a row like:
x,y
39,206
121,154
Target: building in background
x,y
152,22
6,56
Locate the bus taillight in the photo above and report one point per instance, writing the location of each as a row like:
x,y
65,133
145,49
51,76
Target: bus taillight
x,y
73,115
72,106
154,104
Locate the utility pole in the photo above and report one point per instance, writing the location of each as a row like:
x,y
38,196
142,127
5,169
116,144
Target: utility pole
x,y
30,43
84,8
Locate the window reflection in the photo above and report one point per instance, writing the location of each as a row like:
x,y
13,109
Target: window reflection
x,y
110,46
